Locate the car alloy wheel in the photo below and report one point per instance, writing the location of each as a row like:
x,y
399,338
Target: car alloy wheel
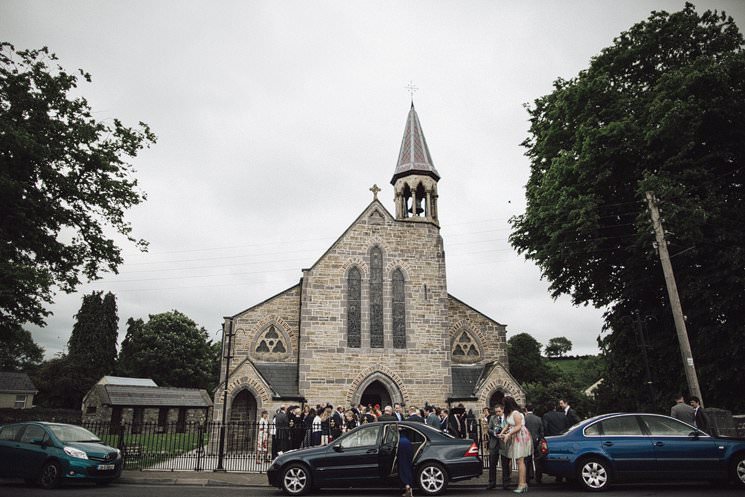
x,y
295,480
433,479
738,470
593,474
50,475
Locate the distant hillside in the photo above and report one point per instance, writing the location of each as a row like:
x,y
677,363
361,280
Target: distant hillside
x,y
581,371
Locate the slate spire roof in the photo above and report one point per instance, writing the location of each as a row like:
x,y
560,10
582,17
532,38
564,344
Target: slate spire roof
x,y
414,157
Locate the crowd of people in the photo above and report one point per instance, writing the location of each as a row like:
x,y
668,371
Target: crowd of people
x,y
510,435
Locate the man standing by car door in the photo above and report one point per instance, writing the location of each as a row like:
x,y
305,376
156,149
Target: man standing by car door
x,y
497,450
534,424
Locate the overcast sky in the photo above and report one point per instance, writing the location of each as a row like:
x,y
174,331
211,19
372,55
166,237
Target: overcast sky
x,y
275,118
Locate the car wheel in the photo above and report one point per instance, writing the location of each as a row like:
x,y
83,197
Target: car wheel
x,y
738,470
296,480
432,478
51,475
593,474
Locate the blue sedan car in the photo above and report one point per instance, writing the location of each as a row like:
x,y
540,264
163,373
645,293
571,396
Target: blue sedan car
x,y
642,447
50,453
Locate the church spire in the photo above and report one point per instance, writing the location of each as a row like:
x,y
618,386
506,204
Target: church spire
x,y
414,155
415,178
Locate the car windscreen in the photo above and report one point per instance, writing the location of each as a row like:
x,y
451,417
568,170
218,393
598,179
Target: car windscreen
x,y
67,433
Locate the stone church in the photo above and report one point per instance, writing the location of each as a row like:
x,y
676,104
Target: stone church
x,y
371,320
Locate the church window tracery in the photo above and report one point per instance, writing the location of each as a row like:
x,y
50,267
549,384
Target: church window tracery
x,y
465,348
271,345
376,298
399,310
354,300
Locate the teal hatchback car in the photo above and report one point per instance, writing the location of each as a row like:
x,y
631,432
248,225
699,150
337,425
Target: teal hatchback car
x,y
48,454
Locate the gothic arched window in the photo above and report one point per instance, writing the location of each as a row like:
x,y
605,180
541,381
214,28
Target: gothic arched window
x,y
464,348
270,345
354,299
376,298
399,310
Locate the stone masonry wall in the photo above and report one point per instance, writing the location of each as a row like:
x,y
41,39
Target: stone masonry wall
x,y
491,335
331,371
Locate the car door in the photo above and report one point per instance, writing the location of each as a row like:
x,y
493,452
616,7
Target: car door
x,y
628,447
682,452
388,451
8,449
351,459
32,451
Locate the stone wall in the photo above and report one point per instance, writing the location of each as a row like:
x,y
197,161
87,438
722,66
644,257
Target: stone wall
x,y
329,369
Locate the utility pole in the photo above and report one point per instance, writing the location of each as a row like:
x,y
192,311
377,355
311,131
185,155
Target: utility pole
x,y
672,291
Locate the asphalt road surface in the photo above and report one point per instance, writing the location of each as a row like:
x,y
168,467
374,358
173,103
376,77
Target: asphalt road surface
x,y
18,489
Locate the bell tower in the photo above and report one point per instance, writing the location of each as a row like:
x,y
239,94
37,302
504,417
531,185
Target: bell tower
x,y
415,179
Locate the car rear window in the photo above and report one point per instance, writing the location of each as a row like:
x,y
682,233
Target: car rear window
x,y
10,432
33,432
621,425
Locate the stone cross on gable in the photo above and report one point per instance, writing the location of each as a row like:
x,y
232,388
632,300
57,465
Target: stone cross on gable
x,y
375,191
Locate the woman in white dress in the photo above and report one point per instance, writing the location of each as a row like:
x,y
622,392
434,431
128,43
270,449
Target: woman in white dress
x,y
518,440
262,439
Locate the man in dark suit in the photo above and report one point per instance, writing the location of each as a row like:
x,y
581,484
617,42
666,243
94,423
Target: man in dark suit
x,y
398,412
534,424
554,423
699,416
414,415
282,424
571,414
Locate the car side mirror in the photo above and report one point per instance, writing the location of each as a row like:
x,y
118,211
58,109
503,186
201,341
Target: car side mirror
x,y
694,434
338,448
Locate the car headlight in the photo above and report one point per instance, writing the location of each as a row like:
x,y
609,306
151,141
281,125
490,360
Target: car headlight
x,y
73,452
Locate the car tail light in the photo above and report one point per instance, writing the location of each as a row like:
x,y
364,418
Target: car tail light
x,y
544,446
473,450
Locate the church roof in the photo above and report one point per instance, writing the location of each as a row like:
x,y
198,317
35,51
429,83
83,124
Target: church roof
x,y
414,155
281,377
465,379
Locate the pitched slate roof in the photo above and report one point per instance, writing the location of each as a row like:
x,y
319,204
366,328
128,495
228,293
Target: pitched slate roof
x,y
414,155
281,377
465,379
125,380
132,395
16,383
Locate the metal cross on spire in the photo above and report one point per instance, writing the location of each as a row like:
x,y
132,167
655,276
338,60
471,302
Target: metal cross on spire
x,y
411,89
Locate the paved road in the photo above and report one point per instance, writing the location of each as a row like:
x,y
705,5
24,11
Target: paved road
x,y
133,490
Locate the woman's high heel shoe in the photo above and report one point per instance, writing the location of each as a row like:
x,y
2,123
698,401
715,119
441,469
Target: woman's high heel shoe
x,y
521,490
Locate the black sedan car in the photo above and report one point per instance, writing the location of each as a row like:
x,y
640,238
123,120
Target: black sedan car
x,y
367,457
640,446
51,453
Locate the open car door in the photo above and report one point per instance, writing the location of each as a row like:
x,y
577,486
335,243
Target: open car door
x,y
387,460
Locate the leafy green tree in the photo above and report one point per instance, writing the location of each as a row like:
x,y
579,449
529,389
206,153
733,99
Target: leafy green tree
x,y
663,110
526,363
92,344
19,352
60,383
169,348
65,184
558,346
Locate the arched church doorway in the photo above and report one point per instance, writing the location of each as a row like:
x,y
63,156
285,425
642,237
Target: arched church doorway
x,y
376,393
496,398
241,427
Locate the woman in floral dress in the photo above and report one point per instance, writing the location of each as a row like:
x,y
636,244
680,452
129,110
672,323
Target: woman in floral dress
x,y
262,440
518,440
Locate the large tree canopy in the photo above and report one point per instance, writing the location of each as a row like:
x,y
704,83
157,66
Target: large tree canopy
x,y
170,349
64,184
662,110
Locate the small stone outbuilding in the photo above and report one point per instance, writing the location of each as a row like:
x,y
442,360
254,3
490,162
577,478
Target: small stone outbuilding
x,y
136,402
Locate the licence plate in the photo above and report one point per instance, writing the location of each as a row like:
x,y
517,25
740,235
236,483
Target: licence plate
x,y
105,467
